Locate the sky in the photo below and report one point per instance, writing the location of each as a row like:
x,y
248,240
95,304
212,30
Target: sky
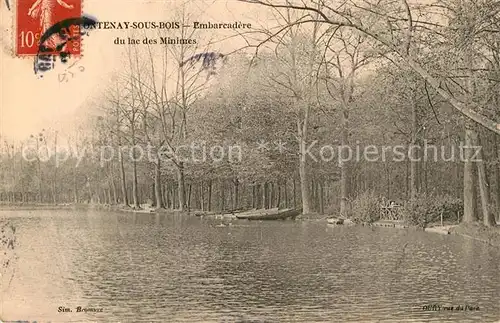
x,y
29,103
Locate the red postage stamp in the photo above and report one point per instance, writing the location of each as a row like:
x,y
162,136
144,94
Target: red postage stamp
x,y
35,17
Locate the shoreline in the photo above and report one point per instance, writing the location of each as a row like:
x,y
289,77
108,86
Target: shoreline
x,y
474,231
32,206
85,206
477,231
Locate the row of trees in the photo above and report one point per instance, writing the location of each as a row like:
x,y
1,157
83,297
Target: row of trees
x,y
329,75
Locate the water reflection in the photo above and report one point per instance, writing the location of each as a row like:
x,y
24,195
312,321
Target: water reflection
x,y
148,267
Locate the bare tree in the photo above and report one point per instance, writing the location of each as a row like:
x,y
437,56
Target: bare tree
x,y
396,37
345,54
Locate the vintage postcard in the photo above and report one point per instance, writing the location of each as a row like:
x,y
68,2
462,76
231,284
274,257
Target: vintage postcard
x,y
250,161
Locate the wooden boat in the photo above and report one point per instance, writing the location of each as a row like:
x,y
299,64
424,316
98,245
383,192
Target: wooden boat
x,y
207,213
203,213
439,229
258,211
335,221
271,214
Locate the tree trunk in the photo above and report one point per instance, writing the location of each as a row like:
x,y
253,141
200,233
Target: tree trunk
x,y
273,194
488,217
90,191
304,179
321,198
171,195
209,208
278,195
268,192
108,195
294,194
495,189
202,196
426,179
287,204
407,178
113,187
314,201
222,196
158,195
168,204
470,214
264,197
123,179
188,204
181,186
236,194
344,164
135,191
75,186
174,196
254,196
458,187
388,179
414,162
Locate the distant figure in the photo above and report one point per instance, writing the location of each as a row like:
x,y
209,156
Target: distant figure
x,y
392,203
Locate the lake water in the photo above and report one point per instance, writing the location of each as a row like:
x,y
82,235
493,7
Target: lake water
x,y
170,268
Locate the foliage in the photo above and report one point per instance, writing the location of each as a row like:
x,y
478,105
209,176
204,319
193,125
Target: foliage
x,y
425,209
365,208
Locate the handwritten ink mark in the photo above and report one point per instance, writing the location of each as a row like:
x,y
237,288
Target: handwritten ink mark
x,y
63,77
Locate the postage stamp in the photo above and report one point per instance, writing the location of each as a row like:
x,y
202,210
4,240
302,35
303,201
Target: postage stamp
x,y
39,28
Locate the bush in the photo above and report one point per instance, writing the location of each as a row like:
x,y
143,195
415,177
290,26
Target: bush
x,y
425,209
365,208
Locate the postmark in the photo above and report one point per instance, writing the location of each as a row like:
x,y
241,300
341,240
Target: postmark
x,y
35,21
48,53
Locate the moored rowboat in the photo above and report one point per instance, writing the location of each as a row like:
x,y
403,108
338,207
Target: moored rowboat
x,y
335,221
272,214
